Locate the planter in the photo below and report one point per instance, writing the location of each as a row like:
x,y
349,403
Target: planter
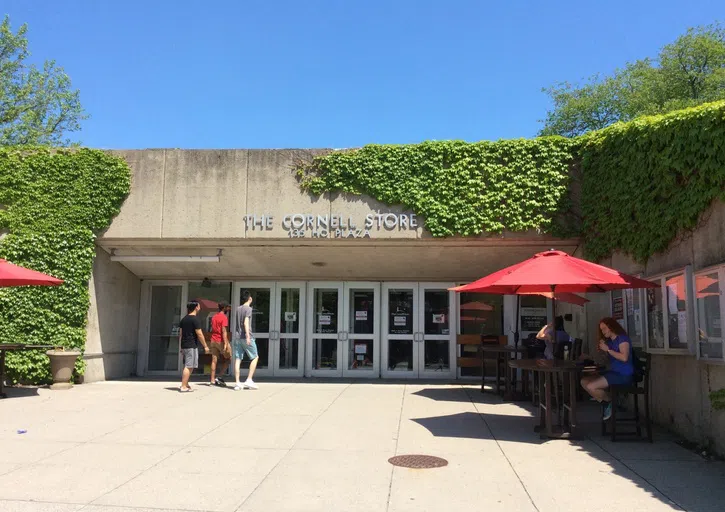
x,y
62,363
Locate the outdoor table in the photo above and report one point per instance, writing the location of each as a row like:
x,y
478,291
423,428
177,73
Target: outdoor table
x,y
502,353
568,370
5,347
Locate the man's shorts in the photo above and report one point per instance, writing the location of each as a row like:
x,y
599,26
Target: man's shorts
x,y
191,357
217,349
241,348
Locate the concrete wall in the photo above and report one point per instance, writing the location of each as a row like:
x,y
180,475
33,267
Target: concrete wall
x,y
112,332
198,194
681,384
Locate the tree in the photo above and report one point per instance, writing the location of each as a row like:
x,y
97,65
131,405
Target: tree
x,y
687,72
37,106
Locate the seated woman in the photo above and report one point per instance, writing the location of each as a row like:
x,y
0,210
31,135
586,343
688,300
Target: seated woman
x,y
616,344
553,334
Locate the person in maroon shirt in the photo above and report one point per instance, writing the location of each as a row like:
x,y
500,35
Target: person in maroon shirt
x,y
220,348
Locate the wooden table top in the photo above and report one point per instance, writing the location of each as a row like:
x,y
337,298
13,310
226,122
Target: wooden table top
x,y
501,348
548,365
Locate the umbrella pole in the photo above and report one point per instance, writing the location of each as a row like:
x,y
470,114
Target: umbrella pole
x,y
518,320
553,315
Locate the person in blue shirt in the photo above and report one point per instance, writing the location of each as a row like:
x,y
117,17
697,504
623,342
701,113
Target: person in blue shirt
x,y
613,340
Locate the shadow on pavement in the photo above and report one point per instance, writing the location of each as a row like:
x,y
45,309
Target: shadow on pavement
x,y
471,425
675,476
20,392
443,394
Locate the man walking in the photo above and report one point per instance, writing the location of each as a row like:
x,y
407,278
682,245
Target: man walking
x,y
190,335
220,350
245,343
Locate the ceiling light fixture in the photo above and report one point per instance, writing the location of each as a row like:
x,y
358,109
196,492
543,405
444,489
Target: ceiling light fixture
x,y
168,259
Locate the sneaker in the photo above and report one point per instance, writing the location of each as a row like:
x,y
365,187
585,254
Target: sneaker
x,y
607,411
249,384
219,382
238,387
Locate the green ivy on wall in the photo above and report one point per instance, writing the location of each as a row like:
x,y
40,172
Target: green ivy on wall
x,y
54,203
643,182
647,180
459,188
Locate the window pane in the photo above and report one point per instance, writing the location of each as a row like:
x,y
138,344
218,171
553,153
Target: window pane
x,y
634,316
209,295
325,305
362,311
533,314
481,313
288,353
261,310
400,312
361,354
324,354
400,355
707,287
436,312
436,355
164,328
655,325
618,307
289,321
208,298
677,311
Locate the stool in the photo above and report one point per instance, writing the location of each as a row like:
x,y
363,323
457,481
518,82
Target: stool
x,y
636,389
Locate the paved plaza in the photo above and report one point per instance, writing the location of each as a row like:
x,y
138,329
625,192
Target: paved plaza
x,y
131,446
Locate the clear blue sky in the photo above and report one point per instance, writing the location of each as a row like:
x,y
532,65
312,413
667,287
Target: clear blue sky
x,y
313,73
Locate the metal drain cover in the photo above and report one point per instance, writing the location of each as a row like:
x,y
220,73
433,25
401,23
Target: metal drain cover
x,y
418,461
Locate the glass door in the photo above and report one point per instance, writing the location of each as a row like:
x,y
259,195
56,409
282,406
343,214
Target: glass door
x,y
400,357
288,330
361,336
168,302
325,332
417,337
435,340
262,324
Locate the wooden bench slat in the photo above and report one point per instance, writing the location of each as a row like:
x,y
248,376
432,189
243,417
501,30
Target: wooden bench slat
x,y
469,362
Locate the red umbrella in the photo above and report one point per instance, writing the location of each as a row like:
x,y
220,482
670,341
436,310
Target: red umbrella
x,y
14,275
554,271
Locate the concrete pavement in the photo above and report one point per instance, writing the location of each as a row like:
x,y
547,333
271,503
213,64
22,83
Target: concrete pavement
x,y
131,446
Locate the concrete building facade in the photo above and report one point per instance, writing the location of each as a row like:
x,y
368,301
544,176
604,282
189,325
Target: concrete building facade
x,y
346,286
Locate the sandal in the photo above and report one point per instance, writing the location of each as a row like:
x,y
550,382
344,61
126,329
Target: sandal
x,y
187,390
